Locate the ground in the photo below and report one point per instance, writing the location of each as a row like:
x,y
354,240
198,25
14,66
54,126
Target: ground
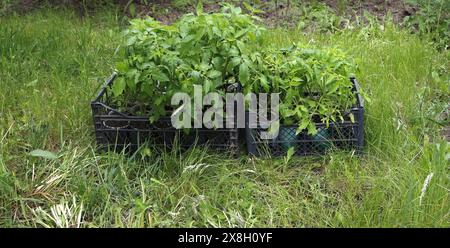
x,y
283,14
169,11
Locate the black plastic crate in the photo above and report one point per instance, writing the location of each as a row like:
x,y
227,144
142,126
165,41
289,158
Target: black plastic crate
x,y
339,135
116,131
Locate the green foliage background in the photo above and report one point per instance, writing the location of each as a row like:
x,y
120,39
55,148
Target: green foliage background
x,y
52,64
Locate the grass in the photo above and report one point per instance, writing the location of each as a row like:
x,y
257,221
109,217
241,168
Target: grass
x,y
52,64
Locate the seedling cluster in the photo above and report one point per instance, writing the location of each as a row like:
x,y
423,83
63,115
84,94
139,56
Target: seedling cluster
x,y
214,50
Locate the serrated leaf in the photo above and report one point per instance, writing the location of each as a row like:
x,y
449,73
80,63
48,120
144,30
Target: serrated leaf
x,y
244,74
352,117
274,128
312,130
199,7
333,88
122,67
118,86
132,9
43,154
289,154
32,83
233,63
199,34
214,74
302,126
154,117
207,85
195,74
131,40
158,75
294,83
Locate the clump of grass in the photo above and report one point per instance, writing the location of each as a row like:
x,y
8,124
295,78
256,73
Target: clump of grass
x,y
51,65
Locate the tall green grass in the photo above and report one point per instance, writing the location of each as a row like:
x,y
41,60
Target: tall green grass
x,y
52,64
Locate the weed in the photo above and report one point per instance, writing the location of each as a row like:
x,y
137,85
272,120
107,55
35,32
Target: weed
x,y
433,20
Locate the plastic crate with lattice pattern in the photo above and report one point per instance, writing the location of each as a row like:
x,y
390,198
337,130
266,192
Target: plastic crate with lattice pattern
x,y
339,135
116,131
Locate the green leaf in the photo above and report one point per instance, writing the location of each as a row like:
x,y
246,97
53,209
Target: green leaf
x,y
146,87
199,7
122,67
274,127
264,83
304,123
247,6
131,41
207,85
119,86
32,83
289,154
294,83
239,35
204,67
199,34
333,88
312,130
352,117
43,154
244,74
195,74
251,9
132,9
159,100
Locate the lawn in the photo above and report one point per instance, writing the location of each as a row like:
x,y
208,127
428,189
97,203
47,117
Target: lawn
x,y
52,64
